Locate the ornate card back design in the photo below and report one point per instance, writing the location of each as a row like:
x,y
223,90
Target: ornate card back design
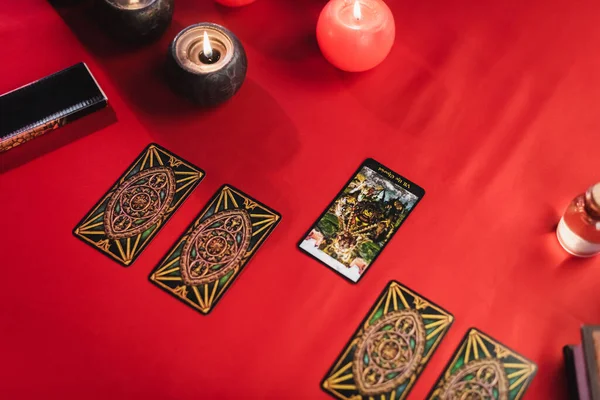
x,y
482,368
213,251
126,219
216,247
139,202
389,350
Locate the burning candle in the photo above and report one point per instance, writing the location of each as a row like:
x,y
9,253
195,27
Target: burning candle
x,y
235,3
355,35
137,20
206,63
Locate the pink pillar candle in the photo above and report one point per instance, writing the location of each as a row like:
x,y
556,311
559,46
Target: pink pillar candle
x,y
355,35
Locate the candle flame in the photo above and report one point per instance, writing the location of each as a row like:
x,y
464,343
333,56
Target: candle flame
x,y
206,47
356,10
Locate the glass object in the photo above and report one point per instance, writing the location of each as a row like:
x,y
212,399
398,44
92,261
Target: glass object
x,y
579,229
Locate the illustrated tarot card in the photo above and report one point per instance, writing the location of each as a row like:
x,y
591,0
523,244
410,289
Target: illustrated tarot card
x,y
390,348
215,248
483,368
132,212
361,220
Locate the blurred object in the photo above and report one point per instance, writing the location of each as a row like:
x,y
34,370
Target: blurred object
x,y
47,104
579,229
576,372
136,21
235,3
570,371
590,336
66,3
582,365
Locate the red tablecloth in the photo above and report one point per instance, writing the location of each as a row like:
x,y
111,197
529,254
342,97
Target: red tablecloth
x,y
492,107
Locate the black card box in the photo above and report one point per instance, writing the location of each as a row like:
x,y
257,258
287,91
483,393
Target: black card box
x,y
44,105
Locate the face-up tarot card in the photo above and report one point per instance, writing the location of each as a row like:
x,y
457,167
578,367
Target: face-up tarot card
x,y
128,217
215,248
361,220
390,348
483,368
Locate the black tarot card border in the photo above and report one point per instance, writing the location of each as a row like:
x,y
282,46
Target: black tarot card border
x,y
176,177
384,173
206,244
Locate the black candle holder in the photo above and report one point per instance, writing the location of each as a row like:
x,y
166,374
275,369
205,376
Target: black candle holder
x,y
136,21
206,79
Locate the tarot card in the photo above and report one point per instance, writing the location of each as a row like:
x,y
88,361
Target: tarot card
x,y
390,348
483,368
590,336
361,220
215,248
128,217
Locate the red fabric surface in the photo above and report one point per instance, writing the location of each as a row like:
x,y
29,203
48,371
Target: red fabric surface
x,y
490,106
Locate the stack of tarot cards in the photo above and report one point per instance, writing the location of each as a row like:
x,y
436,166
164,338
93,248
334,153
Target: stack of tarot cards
x,y
47,104
582,363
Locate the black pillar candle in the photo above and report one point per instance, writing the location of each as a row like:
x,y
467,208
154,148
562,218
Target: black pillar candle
x,y
206,63
136,20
